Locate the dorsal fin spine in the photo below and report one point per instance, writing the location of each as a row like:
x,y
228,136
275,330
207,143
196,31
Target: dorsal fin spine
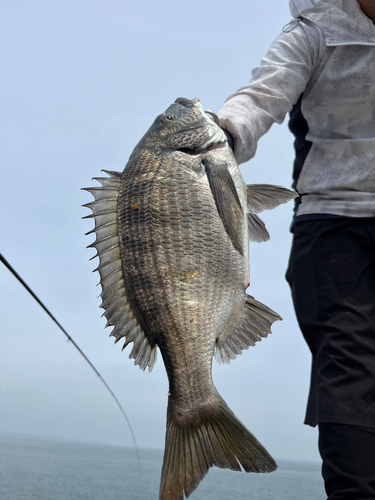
x,y
115,301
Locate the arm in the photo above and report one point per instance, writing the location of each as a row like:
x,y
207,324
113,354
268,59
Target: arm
x,y
273,90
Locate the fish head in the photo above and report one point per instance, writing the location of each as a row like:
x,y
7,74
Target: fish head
x,y
185,126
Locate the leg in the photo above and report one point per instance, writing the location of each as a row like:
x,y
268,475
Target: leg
x,y
332,278
348,454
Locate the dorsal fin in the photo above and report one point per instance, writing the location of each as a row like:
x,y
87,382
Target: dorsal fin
x,y
115,303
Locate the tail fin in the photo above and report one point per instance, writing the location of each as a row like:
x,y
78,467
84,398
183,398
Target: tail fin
x,y
219,439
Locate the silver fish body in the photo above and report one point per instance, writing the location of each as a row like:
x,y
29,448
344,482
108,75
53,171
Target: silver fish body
x,y
172,236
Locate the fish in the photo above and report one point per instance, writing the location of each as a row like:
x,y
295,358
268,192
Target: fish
x,y
172,236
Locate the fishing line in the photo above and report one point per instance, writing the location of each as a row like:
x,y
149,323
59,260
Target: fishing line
x,y
18,277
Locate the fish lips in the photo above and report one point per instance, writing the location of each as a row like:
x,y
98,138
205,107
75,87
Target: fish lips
x,y
187,103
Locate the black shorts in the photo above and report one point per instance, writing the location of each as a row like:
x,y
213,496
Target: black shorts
x,y
332,277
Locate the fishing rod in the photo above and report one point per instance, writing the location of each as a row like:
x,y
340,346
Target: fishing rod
x,y
24,284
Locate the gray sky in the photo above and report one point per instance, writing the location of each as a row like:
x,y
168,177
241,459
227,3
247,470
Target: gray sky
x,y
82,82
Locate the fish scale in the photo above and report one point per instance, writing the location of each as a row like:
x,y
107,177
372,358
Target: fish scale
x,y
210,258
172,237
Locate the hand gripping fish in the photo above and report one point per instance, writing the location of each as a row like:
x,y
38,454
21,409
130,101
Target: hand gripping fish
x,y
172,233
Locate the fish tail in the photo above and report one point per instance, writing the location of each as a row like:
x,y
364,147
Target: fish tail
x,y
218,439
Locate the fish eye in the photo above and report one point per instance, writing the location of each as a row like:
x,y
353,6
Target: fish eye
x,y
169,118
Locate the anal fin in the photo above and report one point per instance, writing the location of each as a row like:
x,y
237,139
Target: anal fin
x,y
255,325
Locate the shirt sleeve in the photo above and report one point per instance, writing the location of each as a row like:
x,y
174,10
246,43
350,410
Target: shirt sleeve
x,y
275,87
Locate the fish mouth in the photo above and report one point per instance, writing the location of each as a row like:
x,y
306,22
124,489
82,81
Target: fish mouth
x,y
216,141
187,103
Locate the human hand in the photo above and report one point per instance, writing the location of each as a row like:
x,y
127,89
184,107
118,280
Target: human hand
x,y
230,138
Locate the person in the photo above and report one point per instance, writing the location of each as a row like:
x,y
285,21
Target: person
x,y
321,70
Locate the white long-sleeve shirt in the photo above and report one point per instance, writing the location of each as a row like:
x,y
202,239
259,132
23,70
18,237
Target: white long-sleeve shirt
x,y
329,57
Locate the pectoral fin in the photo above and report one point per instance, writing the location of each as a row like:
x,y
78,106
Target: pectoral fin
x,y
227,201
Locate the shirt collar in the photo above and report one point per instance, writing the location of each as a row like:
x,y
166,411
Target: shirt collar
x,y
342,22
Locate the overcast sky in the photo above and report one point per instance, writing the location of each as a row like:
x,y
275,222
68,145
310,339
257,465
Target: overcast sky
x,y
81,83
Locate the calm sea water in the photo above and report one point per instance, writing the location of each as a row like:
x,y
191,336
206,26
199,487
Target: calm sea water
x,y
41,469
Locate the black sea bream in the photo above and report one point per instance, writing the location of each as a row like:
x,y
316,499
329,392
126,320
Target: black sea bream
x,y
172,233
